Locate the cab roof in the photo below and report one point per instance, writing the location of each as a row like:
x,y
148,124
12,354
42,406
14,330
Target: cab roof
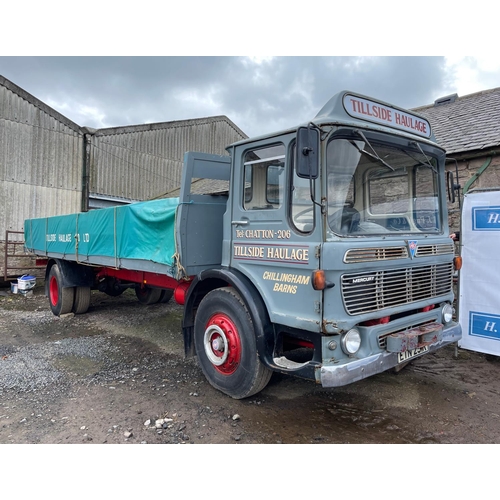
x,y
352,109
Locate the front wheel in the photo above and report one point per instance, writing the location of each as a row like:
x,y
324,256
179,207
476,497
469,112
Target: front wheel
x,y
224,339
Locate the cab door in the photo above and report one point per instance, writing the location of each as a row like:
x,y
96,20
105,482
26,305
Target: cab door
x,y
275,235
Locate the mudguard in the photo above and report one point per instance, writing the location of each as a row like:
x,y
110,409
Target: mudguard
x,y
211,279
72,274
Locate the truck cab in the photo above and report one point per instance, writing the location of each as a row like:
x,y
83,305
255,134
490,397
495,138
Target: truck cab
x,y
321,251
335,260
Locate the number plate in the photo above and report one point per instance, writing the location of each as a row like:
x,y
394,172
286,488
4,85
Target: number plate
x,y
413,353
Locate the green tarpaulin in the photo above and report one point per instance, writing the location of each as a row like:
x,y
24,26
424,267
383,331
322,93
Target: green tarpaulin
x,y
139,231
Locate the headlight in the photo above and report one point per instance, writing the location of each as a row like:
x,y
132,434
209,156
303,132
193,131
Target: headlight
x,y
447,313
351,342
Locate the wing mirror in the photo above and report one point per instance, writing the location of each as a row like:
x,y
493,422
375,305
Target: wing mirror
x,y
307,152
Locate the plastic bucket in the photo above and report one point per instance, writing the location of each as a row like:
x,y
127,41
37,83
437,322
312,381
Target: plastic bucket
x,y
13,287
26,282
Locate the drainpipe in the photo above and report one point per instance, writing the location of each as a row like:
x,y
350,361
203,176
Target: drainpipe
x,y
87,166
476,176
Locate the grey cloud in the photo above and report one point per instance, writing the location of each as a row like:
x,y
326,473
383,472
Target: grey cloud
x,y
258,97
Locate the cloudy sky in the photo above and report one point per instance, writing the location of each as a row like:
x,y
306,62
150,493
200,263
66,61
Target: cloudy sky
x,y
259,94
187,62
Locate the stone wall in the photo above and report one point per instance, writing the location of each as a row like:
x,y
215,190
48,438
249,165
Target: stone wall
x,y
467,169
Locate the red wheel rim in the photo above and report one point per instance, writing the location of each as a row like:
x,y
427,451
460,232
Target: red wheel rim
x,y
54,291
222,344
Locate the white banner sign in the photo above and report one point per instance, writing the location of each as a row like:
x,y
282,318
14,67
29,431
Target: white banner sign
x,y
377,112
479,306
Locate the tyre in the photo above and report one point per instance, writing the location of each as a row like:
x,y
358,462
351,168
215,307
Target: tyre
x,y
147,295
82,299
165,296
60,298
224,338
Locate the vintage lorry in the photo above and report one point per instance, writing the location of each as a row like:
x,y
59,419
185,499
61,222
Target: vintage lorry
x,y
321,251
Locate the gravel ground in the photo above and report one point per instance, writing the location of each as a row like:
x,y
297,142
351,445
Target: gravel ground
x,y
118,374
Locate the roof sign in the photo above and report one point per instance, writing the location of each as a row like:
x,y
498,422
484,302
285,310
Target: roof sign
x,y
373,111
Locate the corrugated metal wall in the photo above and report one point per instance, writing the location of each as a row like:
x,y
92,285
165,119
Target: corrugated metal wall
x,y
41,165
145,161
49,165
41,160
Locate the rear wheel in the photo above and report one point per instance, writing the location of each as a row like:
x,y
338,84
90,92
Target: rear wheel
x,y
147,295
82,299
60,299
165,296
224,338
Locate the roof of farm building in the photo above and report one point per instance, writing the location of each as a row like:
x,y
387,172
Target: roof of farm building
x,y
467,123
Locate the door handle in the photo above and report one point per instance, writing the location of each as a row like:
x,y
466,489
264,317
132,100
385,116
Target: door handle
x,y
239,222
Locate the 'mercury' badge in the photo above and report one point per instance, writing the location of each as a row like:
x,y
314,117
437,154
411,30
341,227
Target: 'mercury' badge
x,y
412,247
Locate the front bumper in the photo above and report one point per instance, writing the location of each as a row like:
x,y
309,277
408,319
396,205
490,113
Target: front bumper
x,y
338,375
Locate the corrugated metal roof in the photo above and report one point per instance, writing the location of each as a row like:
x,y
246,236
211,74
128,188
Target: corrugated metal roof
x,y
202,186
141,162
467,123
17,113
170,125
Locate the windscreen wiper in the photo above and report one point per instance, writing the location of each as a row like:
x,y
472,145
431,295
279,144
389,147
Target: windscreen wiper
x,y
373,155
429,164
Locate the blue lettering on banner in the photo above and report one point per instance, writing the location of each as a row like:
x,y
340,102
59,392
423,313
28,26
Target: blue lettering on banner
x,y
486,218
484,325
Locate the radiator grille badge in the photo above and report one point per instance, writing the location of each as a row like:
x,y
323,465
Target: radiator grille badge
x,y
412,247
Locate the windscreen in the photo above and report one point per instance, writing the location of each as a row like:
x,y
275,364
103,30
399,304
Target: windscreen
x,y
375,188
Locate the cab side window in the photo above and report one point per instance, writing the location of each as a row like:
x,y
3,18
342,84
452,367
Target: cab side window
x,y
302,207
264,178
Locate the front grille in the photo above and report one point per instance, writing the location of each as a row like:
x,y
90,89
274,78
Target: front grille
x,y
355,255
373,254
376,290
440,249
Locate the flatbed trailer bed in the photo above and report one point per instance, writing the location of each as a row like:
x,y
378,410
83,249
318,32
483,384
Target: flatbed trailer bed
x,y
136,237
